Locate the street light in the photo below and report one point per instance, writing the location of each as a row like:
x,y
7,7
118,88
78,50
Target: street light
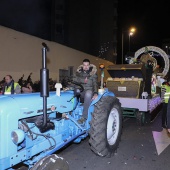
x,y
122,47
130,31
167,49
130,34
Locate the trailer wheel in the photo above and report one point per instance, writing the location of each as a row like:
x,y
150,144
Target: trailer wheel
x,y
140,118
52,162
106,126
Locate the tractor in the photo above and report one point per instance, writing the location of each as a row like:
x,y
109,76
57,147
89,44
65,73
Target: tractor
x,y
33,127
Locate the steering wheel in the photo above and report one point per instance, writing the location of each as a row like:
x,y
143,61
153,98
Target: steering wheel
x,y
77,90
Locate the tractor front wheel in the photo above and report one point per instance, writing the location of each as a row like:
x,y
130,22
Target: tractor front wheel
x,y
106,126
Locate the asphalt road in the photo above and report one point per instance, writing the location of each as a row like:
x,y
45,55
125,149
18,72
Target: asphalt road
x,y
137,150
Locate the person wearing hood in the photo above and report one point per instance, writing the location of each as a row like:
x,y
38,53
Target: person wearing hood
x,y
86,75
11,87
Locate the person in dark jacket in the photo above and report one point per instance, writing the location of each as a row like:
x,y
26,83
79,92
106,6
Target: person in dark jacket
x,y
86,74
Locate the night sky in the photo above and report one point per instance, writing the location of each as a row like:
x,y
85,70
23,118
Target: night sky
x,y
32,17
150,18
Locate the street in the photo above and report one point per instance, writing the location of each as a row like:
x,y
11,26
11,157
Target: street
x,y
137,150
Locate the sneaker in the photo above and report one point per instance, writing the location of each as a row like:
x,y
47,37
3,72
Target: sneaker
x,y
81,120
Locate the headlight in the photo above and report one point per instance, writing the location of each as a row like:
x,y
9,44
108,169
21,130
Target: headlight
x,y
17,136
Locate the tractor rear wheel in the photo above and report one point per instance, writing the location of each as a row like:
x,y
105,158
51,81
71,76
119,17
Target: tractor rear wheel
x,y
106,126
52,162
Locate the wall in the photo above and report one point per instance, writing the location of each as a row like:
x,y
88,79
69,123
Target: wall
x,y
21,53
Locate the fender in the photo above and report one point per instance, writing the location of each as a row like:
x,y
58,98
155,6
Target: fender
x,y
100,95
91,108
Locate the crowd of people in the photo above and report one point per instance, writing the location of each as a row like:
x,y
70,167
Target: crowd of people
x,y
9,86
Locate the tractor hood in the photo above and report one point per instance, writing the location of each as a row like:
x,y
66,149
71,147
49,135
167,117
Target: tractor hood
x,y
32,104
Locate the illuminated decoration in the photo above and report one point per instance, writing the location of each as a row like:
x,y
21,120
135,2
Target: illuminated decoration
x,y
154,102
147,58
152,49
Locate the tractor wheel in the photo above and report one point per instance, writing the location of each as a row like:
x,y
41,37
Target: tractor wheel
x,y
52,162
106,126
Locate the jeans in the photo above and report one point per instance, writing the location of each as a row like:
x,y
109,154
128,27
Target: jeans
x,y
168,114
164,115
87,96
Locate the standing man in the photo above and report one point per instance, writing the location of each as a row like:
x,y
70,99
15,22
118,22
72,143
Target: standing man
x,y
11,87
168,116
86,74
165,93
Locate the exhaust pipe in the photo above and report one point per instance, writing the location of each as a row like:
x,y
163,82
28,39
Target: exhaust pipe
x,y
44,92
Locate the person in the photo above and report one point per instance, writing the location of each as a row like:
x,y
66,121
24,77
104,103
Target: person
x,y
27,89
11,87
149,71
86,74
168,116
2,85
21,81
165,93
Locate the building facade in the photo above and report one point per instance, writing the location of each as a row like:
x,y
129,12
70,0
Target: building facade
x,y
88,26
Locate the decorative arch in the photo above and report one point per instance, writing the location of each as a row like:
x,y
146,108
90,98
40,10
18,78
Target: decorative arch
x,y
159,51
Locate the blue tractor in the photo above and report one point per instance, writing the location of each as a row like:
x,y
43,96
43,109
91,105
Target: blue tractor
x,y
34,126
